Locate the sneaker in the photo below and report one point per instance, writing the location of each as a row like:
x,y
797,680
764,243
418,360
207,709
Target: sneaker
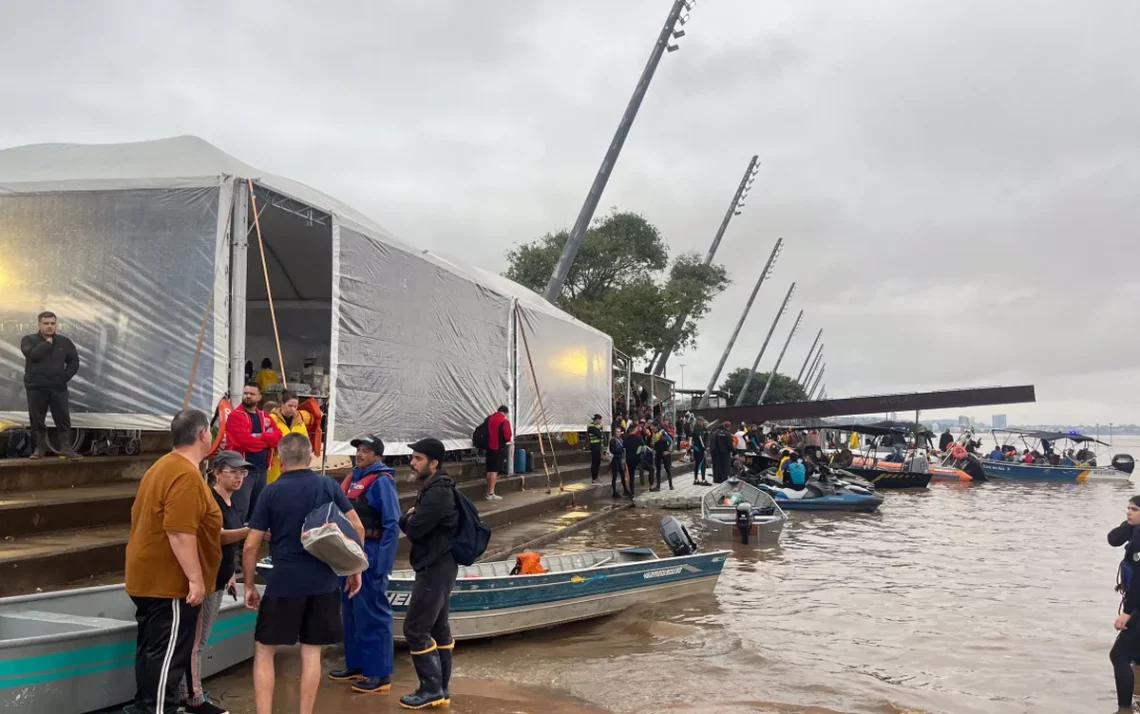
x,y
493,497
206,708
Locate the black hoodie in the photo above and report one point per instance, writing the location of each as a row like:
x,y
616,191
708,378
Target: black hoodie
x,y
431,526
1129,573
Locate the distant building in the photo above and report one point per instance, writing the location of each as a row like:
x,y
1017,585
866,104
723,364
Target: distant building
x,y
999,421
964,422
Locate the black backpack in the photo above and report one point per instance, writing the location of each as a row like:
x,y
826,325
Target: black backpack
x,y
481,437
471,534
21,443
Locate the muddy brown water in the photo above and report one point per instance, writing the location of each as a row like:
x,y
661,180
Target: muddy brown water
x,y
988,599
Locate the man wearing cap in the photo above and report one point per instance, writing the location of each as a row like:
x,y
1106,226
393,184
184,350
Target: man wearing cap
x,y
368,653
594,439
430,525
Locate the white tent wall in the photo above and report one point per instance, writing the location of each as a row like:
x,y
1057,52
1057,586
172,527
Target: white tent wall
x,y
130,274
420,350
574,373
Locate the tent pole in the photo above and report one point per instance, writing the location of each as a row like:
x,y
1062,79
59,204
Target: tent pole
x,y
268,292
513,393
239,260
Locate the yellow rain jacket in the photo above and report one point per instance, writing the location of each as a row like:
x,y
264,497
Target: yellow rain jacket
x,y
300,426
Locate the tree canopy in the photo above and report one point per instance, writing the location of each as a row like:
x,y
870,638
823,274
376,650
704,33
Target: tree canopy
x,y
783,389
623,283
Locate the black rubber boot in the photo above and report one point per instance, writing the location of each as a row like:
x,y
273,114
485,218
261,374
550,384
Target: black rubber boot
x,y
445,655
430,692
346,675
41,445
372,685
66,447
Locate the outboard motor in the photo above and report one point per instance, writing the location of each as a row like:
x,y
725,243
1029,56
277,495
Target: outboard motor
x,y
677,537
744,520
1123,462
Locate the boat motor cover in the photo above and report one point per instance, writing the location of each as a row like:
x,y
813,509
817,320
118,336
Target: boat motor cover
x,y
1123,462
328,536
677,537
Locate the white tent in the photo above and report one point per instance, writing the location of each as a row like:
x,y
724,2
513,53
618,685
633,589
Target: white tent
x,y
131,245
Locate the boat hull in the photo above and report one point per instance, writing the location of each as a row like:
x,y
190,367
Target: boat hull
x,y
493,606
74,650
764,532
847,503
886,478
1063,474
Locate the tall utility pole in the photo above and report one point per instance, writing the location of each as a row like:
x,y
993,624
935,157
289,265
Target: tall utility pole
x,y
578,232
657,364
772,374
818,379
800,376
752,372
743,316
822,394
811,370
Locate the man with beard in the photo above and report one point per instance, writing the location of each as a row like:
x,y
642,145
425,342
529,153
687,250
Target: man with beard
x,y
253,434
430,525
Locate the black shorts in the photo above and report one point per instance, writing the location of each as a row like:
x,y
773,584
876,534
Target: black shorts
x,y
496,461
312,619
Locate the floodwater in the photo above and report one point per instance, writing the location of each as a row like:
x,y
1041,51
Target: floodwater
x,y
988,599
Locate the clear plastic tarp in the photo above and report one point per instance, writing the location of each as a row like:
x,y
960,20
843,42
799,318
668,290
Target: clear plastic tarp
x,y
420,351
129,273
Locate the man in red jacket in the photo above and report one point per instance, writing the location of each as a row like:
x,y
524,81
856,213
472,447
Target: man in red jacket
x,y
498,439
253,434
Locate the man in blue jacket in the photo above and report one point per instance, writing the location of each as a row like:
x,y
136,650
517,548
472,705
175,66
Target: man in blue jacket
x,y
368,653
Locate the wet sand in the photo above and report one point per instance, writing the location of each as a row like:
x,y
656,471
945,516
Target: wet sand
x,y
234,690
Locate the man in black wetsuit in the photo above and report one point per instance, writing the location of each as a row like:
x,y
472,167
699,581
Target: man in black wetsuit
x,y
594,439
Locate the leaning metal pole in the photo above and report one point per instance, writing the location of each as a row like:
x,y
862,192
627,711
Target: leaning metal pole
x,y
657,364
578,232
800,376
772,374
740,323
818,379
752,372
812,369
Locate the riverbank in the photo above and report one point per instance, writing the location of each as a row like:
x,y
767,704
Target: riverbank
x,y
234,690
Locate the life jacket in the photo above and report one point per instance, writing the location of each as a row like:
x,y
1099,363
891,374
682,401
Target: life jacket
x,y
355,492
311,407
221,413
528,564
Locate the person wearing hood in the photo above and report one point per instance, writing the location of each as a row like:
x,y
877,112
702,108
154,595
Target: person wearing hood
x,y
945,440
367,618
430,525
721,450
289,419
1126,649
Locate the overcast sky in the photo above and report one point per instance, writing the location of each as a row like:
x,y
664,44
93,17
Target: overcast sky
x,y
958,183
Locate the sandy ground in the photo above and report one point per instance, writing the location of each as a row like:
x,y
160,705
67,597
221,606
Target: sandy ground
x,y
234,690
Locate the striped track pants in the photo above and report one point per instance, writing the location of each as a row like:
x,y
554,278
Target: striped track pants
x,y
163,647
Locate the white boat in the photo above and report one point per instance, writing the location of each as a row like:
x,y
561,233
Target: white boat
x,y
738,511
74,650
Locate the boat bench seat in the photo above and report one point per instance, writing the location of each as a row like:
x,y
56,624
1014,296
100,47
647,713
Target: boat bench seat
x,y
35,623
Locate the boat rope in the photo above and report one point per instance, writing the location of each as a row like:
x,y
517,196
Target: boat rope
x,y
268,292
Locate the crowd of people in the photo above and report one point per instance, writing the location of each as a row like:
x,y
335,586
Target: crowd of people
x,y
184,548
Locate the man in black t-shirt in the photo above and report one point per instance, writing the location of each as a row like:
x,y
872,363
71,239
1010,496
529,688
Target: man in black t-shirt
x,y
228,469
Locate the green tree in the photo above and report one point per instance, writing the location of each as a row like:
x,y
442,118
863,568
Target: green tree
x,y
618,282
783,389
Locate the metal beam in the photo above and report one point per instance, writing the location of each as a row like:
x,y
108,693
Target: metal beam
x,y
239,264
578,232
815,385
811,372
657,364
772,374
756,363
807,359
878,404
743,316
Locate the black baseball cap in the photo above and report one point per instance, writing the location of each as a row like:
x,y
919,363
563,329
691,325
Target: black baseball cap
x,y
371,442
431,448
229,458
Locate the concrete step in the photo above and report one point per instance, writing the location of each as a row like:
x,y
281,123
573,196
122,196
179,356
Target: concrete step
x,y
31,512
31,563
38,475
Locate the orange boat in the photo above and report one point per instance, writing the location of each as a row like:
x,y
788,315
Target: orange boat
x,y
937,473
